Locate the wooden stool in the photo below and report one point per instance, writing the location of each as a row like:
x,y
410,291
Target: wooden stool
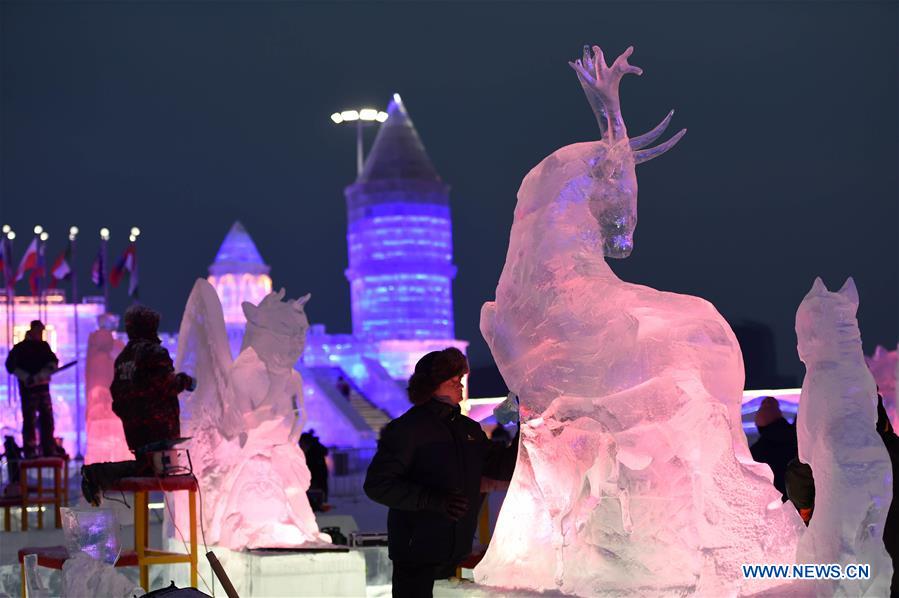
x,y
7,503
146,556
54,557
37,494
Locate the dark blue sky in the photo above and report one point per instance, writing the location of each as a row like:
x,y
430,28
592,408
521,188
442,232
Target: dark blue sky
x,y
181,117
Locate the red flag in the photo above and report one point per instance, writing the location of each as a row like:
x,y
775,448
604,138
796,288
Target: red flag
x,y
36,280
6,260
60,270
29,260
128,262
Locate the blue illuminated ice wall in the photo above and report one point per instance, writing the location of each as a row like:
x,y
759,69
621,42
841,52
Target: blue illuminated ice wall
x,y
400,240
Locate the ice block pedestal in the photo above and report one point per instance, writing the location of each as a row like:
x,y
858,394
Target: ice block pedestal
x,y
305,572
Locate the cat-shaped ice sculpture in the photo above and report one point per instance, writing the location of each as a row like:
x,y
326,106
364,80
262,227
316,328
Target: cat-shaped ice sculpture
x,y
245,420
836,426
634,475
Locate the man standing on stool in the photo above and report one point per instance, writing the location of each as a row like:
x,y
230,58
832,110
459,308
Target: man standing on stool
x,y
33,362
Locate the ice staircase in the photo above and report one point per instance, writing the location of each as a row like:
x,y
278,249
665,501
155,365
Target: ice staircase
x,y
359,409
374,417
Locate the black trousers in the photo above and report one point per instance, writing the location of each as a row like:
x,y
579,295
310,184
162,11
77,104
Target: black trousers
x,y
416,580
36,401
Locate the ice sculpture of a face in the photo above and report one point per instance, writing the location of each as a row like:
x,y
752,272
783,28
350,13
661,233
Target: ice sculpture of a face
x,y
612,192
276,329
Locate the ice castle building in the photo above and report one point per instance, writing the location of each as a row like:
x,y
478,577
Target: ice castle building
x,y
238,274
400,273
400,248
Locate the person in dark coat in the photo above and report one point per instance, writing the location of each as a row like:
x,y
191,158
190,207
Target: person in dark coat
x,y
891,528
32,361
777,443
428,470
316,460
145,386
800,484
144,392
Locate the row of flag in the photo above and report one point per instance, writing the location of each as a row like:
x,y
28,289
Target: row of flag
x,y
33,265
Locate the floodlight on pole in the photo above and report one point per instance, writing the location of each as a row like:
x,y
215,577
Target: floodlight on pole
x,y
363,118
38,229
6,229
11,235
73,233
135,232
104,233
44,236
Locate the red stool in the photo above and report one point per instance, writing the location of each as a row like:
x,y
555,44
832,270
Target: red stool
x,y
7,503
37,494
147,556
54,557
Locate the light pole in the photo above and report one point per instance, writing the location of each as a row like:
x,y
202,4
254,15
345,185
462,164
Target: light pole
x,y
362,118
104,240
79,411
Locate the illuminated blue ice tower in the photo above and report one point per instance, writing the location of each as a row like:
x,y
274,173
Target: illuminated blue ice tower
x,y
400,250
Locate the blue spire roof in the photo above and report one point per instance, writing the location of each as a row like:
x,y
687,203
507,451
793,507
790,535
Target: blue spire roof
x,y
238,254
398,152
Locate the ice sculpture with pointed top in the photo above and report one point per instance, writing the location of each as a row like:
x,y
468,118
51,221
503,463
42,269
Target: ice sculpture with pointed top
x,y
634,475
836,428
245,420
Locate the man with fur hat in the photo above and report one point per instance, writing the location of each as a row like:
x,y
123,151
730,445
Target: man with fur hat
x,y
428,469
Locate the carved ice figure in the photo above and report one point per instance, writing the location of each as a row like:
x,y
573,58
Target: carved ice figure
x,y
634,475
105,436
245,420
884,366
836,428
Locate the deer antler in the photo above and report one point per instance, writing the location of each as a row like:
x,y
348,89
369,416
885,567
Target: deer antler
x,y
645,139
600,83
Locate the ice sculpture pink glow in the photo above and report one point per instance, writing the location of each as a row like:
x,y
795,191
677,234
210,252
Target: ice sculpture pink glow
x,y
245,420
884,366
634,476
105,436
838,438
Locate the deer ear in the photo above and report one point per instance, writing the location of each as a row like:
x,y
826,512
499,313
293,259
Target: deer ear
x,y
849,291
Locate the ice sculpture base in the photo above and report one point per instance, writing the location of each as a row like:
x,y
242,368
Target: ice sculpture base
x,y
281,572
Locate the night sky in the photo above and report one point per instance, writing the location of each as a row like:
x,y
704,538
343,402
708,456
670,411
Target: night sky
x,y
181,117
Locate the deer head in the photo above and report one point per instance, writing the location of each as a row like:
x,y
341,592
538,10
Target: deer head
x,y
613,192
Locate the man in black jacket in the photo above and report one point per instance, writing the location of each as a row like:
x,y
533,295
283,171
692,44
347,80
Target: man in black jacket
x,y
144,392
33,362
428,470
777,443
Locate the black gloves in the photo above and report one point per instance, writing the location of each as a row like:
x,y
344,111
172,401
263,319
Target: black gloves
x,y
451,503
